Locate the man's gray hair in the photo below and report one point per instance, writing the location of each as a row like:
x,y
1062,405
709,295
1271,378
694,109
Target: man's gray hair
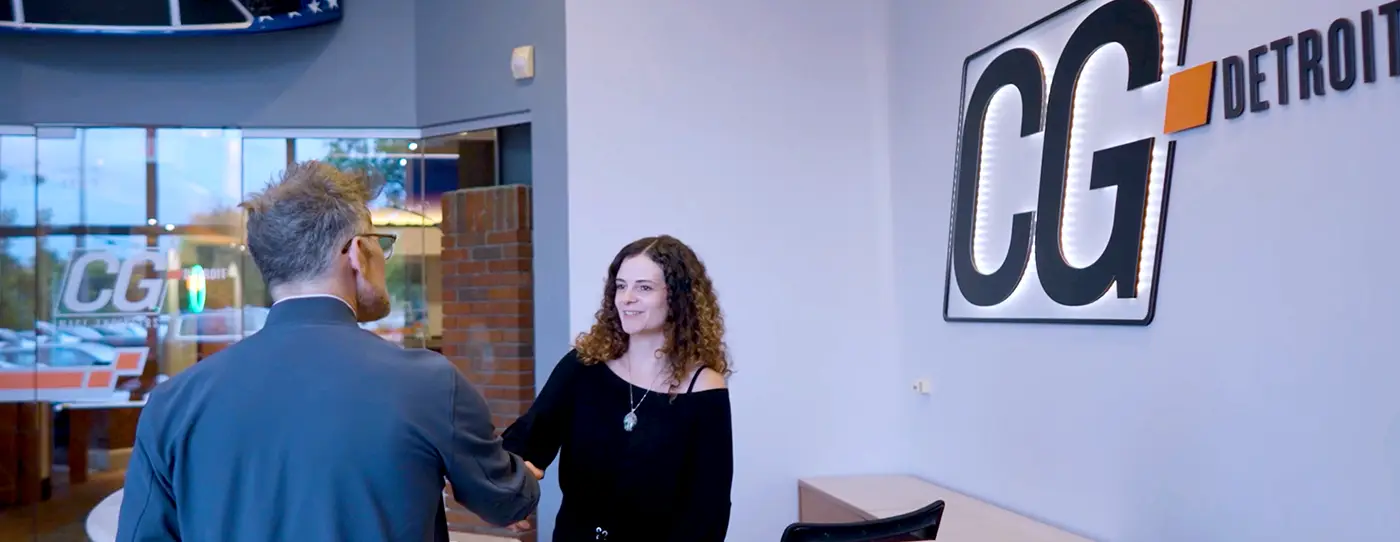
x,y
300,220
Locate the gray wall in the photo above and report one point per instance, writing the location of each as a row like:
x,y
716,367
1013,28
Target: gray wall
x,y
9,89
358,73
463,59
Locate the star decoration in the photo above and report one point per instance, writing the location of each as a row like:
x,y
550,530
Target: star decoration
x,y
294,14
333,4
264,18
314,6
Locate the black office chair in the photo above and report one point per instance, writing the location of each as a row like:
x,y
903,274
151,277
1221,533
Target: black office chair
x,y
921,524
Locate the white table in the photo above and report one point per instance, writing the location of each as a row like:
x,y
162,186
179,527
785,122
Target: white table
x,y
842,499
102,520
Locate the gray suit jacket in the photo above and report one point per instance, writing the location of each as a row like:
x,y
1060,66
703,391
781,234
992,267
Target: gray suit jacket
x,y
311,430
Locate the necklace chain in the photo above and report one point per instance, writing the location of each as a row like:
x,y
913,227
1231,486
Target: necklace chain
x,y
630,420
630,394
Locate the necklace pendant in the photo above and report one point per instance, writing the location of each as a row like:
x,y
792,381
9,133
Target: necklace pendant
x,y
629,421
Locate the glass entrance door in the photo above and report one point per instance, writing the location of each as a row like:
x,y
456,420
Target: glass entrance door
x,y
23,479
122,263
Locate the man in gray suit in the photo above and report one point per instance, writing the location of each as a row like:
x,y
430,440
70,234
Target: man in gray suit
x,y
313,429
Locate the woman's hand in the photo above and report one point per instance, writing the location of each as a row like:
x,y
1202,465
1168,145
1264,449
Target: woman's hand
x,y
539,474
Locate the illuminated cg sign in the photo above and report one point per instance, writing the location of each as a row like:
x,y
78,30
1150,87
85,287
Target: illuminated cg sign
x,y
1061,180
1067,139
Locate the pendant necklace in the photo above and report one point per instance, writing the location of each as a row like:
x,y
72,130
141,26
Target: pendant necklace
x,y
629,422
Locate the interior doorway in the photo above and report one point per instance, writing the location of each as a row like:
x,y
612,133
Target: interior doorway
x,y
443,163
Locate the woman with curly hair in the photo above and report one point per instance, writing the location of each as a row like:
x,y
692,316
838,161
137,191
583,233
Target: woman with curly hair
x,y
639,410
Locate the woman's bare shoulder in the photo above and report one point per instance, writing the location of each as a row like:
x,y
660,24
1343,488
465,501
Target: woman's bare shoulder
x,y
710,379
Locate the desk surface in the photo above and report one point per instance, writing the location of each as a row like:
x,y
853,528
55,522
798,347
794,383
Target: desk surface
x,y
99,405
965,519
102,520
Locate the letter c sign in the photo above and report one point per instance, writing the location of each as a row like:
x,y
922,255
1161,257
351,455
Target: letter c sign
x,y
1057,216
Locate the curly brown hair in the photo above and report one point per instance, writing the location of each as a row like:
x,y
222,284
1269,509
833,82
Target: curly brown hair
x,y
694,324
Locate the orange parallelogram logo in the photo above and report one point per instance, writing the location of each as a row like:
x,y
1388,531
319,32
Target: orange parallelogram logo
x,y
1298,67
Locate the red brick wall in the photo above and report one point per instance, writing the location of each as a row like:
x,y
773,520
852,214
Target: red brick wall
x,y
488,305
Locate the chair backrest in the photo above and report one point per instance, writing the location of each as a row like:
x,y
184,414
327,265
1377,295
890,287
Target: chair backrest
x,y
921,524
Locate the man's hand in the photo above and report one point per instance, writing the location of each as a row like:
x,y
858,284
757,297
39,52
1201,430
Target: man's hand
x,y
524,524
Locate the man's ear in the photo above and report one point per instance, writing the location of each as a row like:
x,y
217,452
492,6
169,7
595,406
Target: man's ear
x,y
357,255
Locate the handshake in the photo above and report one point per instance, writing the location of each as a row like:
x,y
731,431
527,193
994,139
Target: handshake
x,y
524,524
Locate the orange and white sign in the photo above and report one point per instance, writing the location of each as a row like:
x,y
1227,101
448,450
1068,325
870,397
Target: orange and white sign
x,y
40,382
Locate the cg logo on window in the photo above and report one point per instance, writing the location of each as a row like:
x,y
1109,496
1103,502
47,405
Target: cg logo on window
x,y
1062,171
101,284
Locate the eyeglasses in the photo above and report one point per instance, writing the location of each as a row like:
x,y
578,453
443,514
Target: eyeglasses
x,y
386,242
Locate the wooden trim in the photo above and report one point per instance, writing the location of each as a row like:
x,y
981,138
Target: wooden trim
x,y
79,425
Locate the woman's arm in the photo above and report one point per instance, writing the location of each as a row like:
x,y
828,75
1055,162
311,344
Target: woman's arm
x,y
705,506
537,435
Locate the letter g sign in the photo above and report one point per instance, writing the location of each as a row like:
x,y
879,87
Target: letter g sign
x,y
76,300
1081,230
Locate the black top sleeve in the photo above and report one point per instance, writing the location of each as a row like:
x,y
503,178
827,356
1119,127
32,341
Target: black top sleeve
x,y
538,434
704,515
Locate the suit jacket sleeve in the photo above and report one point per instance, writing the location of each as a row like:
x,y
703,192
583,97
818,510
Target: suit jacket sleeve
x,y
491,482
148,511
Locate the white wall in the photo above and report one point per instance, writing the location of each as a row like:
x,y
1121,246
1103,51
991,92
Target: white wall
x,y
1260,404
755,132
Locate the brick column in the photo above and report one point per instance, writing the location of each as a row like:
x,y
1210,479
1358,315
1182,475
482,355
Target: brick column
x,y
488,306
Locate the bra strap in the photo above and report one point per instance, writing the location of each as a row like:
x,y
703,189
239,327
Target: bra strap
x,y
694,379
